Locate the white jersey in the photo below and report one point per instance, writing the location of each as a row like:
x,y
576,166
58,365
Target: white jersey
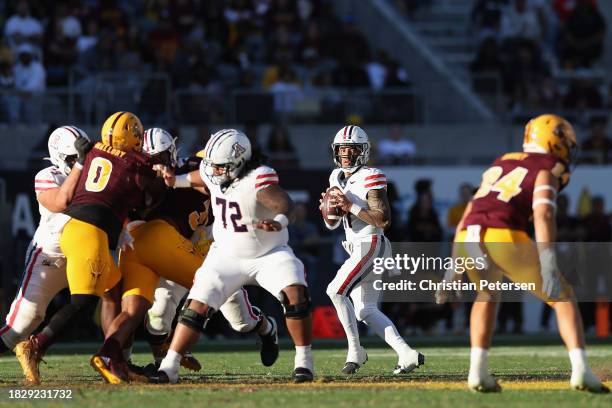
x,y
51,224
236,210
356,188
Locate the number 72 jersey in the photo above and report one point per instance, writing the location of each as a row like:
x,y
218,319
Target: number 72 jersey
x,y
236,210
505,196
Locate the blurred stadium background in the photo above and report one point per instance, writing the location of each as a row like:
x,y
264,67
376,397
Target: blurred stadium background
x,y
441,86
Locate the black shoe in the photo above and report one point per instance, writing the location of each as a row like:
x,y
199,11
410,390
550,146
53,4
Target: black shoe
x,y
150,369
136,368
301,374
159,377
350,368
269,344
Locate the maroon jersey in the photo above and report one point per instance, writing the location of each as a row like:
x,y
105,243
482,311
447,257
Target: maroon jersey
x,y
111,184
505,196
185,208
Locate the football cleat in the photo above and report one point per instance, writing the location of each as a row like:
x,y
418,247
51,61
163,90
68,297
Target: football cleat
x,y
29,356
409,362
190,362
269,344
484,384
111,371
354,364
301,375
136,373
587,381
161,377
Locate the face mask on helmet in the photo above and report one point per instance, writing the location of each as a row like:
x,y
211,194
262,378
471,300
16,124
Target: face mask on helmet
x,y
351,156
226,154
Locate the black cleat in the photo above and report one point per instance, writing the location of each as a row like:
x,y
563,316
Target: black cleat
x,y
269,345
350,368
301,375
159,377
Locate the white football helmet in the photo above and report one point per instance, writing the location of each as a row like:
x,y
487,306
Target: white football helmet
x,y
229,149
62,152
351,136
157,140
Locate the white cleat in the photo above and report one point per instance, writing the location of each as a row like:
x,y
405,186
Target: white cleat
x,y
408,362
587,381
488,383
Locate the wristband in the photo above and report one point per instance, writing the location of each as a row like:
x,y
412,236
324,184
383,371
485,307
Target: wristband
x,y
355,209
182,181
78,166
282,220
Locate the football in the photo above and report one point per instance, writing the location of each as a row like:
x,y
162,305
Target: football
x,y
331,214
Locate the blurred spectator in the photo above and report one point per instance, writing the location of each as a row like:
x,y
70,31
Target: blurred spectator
x,y
520,22
60,50
423,220
286,90
569,228
486,17
22,28
349,45
548,95
583,94
90,37
304,238
279,148
377,72
488,58
523,71
8,101
394,231
581,41
597,223
395,149
456,211
30,81
596,149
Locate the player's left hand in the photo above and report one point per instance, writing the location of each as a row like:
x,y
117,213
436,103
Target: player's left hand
x,y
341,201
268,225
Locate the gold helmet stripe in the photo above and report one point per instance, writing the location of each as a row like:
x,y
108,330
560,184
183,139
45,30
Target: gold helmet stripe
x,y
110,131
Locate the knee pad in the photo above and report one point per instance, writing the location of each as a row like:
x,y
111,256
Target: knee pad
x,y
297,311
195,320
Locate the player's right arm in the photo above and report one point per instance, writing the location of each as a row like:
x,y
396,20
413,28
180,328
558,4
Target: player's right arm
x,y
544,208
56,199
191,179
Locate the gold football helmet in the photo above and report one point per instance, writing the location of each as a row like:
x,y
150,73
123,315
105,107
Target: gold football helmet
x,y
123,131
550,134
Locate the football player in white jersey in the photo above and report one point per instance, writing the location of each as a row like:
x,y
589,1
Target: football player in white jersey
x,y
361,193
45,273
250,229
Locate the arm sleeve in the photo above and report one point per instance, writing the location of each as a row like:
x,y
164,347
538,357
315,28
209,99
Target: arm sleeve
x,y
264,176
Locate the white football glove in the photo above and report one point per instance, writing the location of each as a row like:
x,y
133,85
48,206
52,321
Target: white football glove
x,y
549,270
125,238
444,295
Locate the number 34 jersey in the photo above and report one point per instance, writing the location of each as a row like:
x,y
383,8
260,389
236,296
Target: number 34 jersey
x,y
111,184
505,196
236,210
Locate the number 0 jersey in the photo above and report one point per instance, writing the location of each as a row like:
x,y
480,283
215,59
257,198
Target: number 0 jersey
x,y
235,210
505,196
51,224
111,184
356,188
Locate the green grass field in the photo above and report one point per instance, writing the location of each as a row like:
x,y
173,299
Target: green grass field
x,y
532,376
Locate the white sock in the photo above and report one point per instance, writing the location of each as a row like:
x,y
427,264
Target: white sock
x,y
127,353
479,362
346,315
303,357
386,330
578,359
170,365
268,327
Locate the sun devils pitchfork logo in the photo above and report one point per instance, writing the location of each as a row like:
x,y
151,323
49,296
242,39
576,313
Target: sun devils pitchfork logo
x,y
237,150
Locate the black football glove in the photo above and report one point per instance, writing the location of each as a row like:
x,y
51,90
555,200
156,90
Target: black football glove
x,y
82,146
